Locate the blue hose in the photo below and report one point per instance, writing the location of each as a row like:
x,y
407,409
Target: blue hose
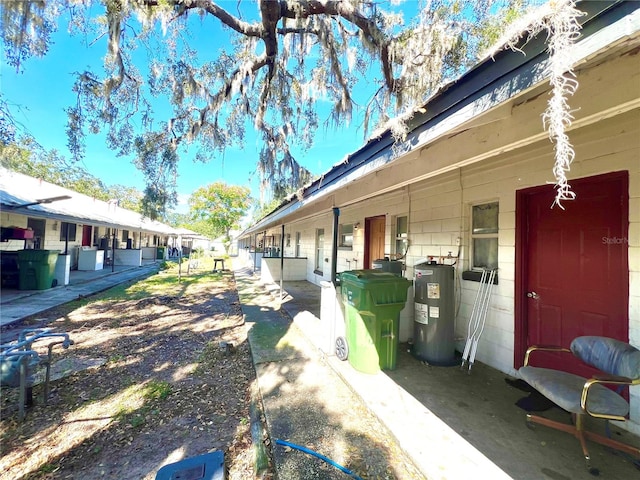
x,y
320,456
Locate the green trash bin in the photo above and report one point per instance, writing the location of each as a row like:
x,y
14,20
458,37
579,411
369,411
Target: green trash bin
x,y
373,301
36,269
160,255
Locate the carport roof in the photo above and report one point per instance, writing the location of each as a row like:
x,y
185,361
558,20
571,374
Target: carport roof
x,y
20,194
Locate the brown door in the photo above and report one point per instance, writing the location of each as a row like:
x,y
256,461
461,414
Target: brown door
x,y
374,240
572,264
86,235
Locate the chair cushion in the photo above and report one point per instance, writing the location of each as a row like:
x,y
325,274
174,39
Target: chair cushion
x,y
565,389
608,355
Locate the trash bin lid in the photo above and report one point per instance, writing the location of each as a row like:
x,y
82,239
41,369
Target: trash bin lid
x,y
367,277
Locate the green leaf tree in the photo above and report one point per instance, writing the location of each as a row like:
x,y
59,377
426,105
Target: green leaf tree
x,y
217,209
128,197
280,67
29,158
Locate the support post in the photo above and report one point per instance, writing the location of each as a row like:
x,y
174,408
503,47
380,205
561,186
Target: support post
x,y
113,252
334,246
255,254
282,264
66,239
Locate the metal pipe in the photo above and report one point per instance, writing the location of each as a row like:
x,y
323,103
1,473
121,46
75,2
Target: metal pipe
x,y
334,245
282,264
255,253
66,239
113,250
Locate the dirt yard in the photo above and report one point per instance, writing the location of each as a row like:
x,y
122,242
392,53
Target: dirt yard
x,y
169,387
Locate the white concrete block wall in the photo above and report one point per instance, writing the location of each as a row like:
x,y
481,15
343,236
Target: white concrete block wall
x,y
52,237
439,212
307,229
294,269
12,220
12,245
532,169
51,240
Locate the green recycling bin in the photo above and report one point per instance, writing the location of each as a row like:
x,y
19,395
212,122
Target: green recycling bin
x,y
36,269
373,300
160,255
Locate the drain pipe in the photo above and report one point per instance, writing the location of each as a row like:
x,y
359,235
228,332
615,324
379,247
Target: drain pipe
x,y
334,246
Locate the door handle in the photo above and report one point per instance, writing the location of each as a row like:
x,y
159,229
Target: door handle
x,y
533,295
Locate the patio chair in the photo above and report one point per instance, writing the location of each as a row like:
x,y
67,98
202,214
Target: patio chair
x,y
19,359
619,365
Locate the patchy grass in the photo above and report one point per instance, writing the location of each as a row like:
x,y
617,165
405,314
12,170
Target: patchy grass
x,y
167,390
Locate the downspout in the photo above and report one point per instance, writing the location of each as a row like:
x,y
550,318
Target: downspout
x,y
334,246
282,264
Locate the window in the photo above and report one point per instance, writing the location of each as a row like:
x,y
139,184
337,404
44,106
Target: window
x,y
298,245
288,239
68,231
345,239
125,235
402,234
484,236
319,250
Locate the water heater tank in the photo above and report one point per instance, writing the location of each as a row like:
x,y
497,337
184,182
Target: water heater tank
x,y
434,319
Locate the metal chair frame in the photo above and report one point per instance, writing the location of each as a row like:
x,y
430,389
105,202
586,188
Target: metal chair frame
x,y
578,428
23,353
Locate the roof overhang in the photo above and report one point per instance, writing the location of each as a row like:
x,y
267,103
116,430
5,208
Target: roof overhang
x,y
467,102
24,195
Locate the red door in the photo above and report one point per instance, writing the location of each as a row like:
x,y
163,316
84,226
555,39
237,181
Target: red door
x,y
573,267
86,235
374,240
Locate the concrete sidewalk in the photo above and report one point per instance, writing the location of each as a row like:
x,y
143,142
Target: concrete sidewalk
x,y
307,404
366,423
19,304
423,421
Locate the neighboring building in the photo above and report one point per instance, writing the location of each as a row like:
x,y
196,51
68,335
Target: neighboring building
x,y
191,240
40,215
472,188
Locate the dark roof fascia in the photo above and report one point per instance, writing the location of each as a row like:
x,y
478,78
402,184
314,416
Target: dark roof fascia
x,y
461,92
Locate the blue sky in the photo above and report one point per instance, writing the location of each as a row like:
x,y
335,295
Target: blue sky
x,y
43,90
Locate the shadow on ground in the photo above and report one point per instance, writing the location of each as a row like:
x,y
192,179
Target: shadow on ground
x,y
427,406
305,403
166,392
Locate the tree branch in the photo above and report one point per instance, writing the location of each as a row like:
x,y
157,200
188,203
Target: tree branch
x,y
209,6
215,101
374,35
